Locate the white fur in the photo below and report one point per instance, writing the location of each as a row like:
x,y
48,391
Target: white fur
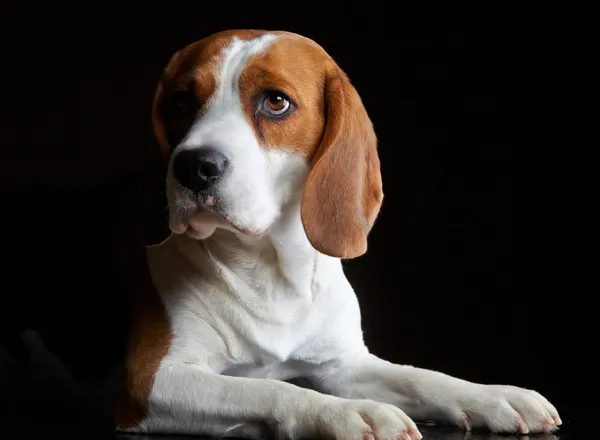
x,y
249,312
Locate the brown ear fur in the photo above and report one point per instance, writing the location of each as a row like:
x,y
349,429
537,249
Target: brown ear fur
x,y
153,218
343,190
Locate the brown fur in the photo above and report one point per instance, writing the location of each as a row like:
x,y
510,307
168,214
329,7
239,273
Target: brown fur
x,y
149,342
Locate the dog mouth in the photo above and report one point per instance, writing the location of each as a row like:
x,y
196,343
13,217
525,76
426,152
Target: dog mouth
x,y
200,216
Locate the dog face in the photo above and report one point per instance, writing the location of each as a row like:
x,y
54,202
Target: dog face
x,y
249,122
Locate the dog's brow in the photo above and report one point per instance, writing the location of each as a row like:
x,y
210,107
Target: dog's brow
x,y
270,78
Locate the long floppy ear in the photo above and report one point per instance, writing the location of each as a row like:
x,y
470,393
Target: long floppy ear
x,y
153,215
343,192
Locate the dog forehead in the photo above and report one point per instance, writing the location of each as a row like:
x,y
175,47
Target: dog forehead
x,y
201,61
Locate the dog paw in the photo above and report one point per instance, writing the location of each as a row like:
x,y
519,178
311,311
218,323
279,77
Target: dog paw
x,y
363,420
505,409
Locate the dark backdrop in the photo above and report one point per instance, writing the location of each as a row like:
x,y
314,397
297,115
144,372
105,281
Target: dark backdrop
x,y
445,285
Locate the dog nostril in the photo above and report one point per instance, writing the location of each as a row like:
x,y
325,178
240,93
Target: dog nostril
x,y
209,169
181,168
211,164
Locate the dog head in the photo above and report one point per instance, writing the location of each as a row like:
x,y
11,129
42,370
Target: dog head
x,y
248,122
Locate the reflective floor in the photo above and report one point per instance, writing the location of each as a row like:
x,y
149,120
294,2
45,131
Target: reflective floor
x,y
429,433
568,430
438,433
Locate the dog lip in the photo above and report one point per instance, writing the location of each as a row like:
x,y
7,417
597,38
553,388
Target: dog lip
x,y
213,216
207,208
179,228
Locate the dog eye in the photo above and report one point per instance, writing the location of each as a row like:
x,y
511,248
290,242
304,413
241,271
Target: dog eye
x,y
275,103
184,101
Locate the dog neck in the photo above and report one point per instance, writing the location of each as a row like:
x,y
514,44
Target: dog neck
x,y
281,257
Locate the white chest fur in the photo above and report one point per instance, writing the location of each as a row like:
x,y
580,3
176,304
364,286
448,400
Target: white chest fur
x,y
271,308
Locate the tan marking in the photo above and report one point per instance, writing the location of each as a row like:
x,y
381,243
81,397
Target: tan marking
x,y
295,66
149,341
193,69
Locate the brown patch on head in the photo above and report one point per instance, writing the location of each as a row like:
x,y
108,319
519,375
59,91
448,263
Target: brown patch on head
x,y
190,75
295,66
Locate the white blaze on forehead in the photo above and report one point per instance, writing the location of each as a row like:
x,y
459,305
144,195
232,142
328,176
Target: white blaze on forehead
x,y
225,104
235,58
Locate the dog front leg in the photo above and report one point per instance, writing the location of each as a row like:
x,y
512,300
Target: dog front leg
x,y
186,399
430,395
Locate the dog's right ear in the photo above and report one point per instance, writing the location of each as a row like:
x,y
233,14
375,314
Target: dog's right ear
x,y
152,217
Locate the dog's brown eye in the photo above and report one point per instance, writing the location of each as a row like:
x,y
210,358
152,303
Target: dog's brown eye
x,y
276,104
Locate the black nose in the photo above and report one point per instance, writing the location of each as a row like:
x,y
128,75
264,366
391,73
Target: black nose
x,y
199,169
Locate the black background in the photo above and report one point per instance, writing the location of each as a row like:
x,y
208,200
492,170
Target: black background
x,y
445,285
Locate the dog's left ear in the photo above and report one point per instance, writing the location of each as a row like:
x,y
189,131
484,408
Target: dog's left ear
x,y
343,191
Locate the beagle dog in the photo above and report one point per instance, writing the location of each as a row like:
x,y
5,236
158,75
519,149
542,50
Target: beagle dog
x,y
266,176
